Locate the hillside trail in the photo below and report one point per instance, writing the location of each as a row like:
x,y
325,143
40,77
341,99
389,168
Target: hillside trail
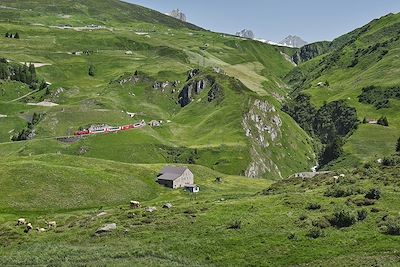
x,y
22,97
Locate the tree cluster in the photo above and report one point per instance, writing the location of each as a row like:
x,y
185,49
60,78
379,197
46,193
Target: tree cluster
x,y
383,121
21,73
331,123
379,97
28,132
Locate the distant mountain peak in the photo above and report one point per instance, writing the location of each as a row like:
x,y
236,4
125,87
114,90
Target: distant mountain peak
x,y
293,41
176,13
246,34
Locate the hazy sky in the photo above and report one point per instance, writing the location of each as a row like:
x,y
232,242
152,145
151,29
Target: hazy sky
x,y
313,20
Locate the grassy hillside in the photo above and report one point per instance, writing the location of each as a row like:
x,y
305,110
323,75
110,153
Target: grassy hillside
x,y
219,99
160,49
321,221
365,57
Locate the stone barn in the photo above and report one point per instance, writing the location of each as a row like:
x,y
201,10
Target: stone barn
x,y
175,177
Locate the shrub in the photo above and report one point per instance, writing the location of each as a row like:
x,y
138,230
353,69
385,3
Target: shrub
x,y
391,226
374,193
343,218
236,225
398,145
391,161
292,236
365,202
375,210
92,70
321,223
303,217
340,191
383,121
315,233
362,215
314,206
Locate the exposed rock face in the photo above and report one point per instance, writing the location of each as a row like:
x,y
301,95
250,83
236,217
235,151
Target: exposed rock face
x,y
310,51
192,73
293,41
176,13
161,85
216,93
133,79
246,34
262,125
190,90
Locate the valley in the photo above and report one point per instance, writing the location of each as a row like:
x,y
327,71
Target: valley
x,y
97,96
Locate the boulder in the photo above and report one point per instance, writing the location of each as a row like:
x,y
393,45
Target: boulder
x,y
167,206
106,228
150,209
101,214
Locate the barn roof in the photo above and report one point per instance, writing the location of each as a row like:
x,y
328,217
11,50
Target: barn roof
x,y
171,173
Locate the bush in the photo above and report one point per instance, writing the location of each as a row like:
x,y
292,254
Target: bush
x,y
398,145
314,206
383,121
292,236
315,233
391,161
236,225
340,191
362,215
92,70
321,223
374,193
391,226
365,202
343,218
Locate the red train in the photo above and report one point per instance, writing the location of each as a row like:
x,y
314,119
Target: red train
x,y
108,129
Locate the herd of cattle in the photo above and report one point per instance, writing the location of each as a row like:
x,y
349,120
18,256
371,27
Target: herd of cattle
x,y
53,224
29,227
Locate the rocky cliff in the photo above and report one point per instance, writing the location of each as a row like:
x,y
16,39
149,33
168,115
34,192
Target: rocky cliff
x,y
262,125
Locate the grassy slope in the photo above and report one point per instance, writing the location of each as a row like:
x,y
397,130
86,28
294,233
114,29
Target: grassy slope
x,y
346,83
195,231
167,53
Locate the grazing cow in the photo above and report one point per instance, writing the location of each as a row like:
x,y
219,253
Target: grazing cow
x,y
40,230
135,204
21,221
51,224
28,228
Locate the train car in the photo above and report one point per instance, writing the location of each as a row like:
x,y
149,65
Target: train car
x,y
79,133
126,127
112,129
97,131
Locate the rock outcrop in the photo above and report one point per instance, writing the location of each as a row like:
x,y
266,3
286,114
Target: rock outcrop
x,y
311,51
262,125
190,90
107,228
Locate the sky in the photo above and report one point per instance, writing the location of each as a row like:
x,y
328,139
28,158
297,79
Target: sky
x,y
312,20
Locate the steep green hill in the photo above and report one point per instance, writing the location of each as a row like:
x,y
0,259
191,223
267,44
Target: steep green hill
x,y
132,61
363,58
